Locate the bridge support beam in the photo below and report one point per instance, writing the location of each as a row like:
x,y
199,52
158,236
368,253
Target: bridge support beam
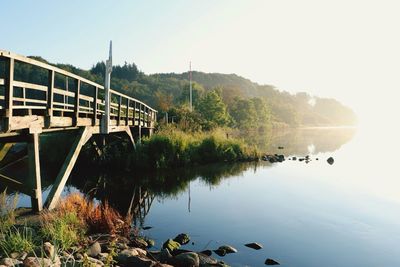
x,y
62,177
34,172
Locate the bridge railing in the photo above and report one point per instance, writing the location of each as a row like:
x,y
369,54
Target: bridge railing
x,y
61,98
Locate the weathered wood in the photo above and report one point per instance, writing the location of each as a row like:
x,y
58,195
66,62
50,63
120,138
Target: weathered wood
x,y
95,96
119,110
67,167
30,86
34,173
8,92
4,150
76,107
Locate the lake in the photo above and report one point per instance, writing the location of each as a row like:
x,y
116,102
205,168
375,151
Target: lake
x,y
304,214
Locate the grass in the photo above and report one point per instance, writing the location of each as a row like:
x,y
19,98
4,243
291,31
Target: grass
x,y
170,148
17,240
7,211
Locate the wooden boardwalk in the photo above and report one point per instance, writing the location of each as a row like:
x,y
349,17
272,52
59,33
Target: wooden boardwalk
x,y
36,98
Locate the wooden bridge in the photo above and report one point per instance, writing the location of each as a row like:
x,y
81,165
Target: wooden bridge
x,y
36,98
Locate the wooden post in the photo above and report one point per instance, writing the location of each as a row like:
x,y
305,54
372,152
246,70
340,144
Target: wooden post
x,y
62,177
34,173
119,111
50,96
76,106
127,112
8,92
95,94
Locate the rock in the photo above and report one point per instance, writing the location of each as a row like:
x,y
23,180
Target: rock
x,y
254,246
330,160
78,256
95,261
147,227
94,249
187,259
123,256
15,255
140,262
122,246
37,262
206,252
150,243
171,245
141,252
228,249
23,256
205,260
271,262
165,255
280,147
316,159
139,243
49,251
9,262
220,252
182,239
103,256
294,158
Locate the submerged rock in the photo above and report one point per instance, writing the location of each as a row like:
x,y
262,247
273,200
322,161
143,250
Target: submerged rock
x,y
330,160
220,252
256,246
271,262
182,239
147,227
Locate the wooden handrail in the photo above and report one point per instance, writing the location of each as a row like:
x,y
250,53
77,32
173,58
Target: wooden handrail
x,y
125,109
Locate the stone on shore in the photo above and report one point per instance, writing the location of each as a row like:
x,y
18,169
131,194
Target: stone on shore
x,y
187,259
123,256
9,262
94,249
171,245
330,160
182,239
38,262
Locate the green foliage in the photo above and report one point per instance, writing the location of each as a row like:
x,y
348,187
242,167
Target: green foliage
x,y
7,211
16,240
171,147
64,229
213,110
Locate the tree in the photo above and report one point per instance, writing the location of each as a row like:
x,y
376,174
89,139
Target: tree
x,y
212,110
263,112
244,114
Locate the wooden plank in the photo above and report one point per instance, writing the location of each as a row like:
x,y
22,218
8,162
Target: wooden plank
x,y
86,98
63,92
4,150
67,167
30,86
29,107
50,97
34,173
8,91
119,110
28,100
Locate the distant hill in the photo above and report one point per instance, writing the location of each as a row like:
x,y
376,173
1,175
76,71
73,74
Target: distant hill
x,y
299,109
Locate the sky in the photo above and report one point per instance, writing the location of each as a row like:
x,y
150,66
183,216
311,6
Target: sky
x,y
348,50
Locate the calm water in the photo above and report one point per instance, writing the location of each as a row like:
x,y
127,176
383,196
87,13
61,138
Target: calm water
x,y
315,214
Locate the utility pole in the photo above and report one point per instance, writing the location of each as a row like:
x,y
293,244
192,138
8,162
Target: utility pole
x,y
106,118
190,86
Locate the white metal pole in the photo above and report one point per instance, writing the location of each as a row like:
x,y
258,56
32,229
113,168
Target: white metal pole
x,y
190,85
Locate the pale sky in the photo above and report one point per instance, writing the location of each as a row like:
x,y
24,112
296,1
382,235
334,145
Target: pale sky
x,y
349,50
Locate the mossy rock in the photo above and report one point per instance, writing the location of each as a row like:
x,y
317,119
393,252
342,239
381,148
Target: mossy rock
x,y
171,245
182,239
